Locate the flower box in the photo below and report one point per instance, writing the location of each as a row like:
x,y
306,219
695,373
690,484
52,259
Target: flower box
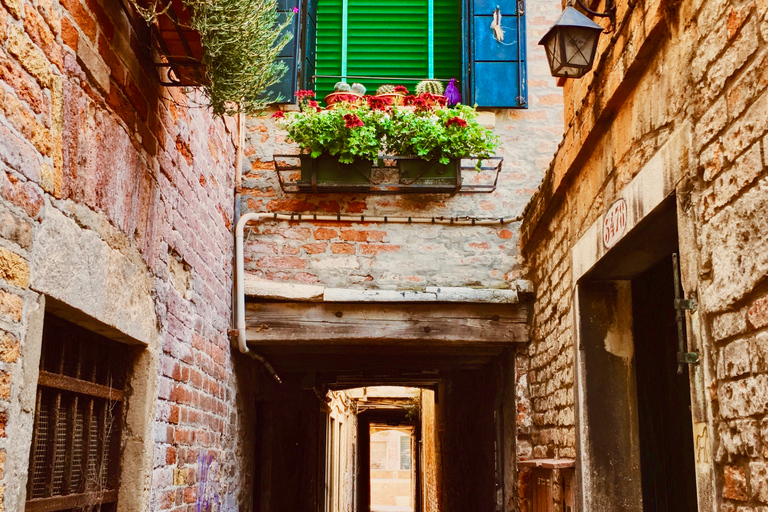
x,y
431,175
326,174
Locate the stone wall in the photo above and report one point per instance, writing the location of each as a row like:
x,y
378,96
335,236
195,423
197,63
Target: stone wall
x,y
390,256
688,79
116,209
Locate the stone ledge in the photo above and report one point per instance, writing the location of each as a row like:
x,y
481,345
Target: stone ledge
x,y
266,289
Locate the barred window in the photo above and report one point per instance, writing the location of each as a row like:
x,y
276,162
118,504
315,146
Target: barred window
x,y
75,452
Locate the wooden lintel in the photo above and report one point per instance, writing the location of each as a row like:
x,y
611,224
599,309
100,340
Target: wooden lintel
x,y
385,323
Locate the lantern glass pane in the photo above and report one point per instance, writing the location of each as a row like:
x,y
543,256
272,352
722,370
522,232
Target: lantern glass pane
x,y
579,46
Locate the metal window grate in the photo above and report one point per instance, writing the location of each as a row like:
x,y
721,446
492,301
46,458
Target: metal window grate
x,y
74,462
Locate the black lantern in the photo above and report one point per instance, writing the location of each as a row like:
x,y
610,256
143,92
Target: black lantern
x,y
571,44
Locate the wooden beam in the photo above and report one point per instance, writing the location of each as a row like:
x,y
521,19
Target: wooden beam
x,y
404,324
54,380
85,500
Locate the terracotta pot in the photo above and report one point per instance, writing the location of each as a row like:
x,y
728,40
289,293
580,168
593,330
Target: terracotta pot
x,y
180,45
397,98
336,97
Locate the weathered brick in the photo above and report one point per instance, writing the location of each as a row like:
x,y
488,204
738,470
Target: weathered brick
x,y
13,268
9,347
738,438
758,479
30,58
758,313
352,235
5,385
11,306
729,324
744,172
343,248
747,129
742,398
735,483
325,234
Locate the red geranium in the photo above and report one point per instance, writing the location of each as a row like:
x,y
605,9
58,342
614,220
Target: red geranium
x,y
456,121
378,103
409,99
304,93
426,96
422,105
352,121
401,89
279,115
313,104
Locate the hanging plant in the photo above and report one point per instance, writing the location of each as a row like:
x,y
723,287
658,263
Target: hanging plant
x,y
240,40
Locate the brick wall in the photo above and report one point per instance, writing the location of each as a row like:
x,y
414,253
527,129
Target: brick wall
x,y
697,63
116,199
400,256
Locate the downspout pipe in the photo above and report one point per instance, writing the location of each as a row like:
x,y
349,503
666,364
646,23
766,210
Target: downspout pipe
x,y
242,345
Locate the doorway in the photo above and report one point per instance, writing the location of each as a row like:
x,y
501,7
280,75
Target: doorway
x,y
663,396
635,431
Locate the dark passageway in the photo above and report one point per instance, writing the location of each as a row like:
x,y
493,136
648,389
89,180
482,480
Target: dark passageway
x,y
316,450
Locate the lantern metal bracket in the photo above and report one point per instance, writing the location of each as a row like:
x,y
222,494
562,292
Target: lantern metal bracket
x,y
610,13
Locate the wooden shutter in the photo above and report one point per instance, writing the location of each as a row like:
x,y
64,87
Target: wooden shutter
x,y
497,72
286,88
309,45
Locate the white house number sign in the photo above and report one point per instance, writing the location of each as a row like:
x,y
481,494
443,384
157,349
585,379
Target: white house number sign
x,y
615,223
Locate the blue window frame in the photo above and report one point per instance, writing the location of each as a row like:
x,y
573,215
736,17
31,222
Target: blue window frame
x,y
493,71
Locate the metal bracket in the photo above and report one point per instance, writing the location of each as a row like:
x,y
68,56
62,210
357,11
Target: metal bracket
x,y
681,305
686,304
688,357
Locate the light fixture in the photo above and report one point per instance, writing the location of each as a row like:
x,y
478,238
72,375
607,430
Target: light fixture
x,y
571,43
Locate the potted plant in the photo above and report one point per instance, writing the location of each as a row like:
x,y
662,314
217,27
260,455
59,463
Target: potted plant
x,y
229,47
431,143
432,91
395,93
340,146
342,92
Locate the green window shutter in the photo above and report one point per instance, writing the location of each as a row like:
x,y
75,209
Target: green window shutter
x,y
387,39
447,39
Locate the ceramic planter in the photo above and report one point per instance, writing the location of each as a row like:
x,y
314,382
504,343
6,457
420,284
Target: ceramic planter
x,y
326,174
430,175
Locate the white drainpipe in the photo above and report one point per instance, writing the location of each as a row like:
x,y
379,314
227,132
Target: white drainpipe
x,y
249,217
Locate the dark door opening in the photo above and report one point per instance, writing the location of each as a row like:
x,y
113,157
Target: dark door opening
x,y
663,396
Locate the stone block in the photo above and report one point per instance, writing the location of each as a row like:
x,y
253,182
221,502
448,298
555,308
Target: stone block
x,y
735,243
735,359
758,479
30,58
729,324
712,122
758,313
751,126
11,306
743,398
749,84
744,172
759,353
77,267
735,483
94,65
738,438
9,347
13,268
